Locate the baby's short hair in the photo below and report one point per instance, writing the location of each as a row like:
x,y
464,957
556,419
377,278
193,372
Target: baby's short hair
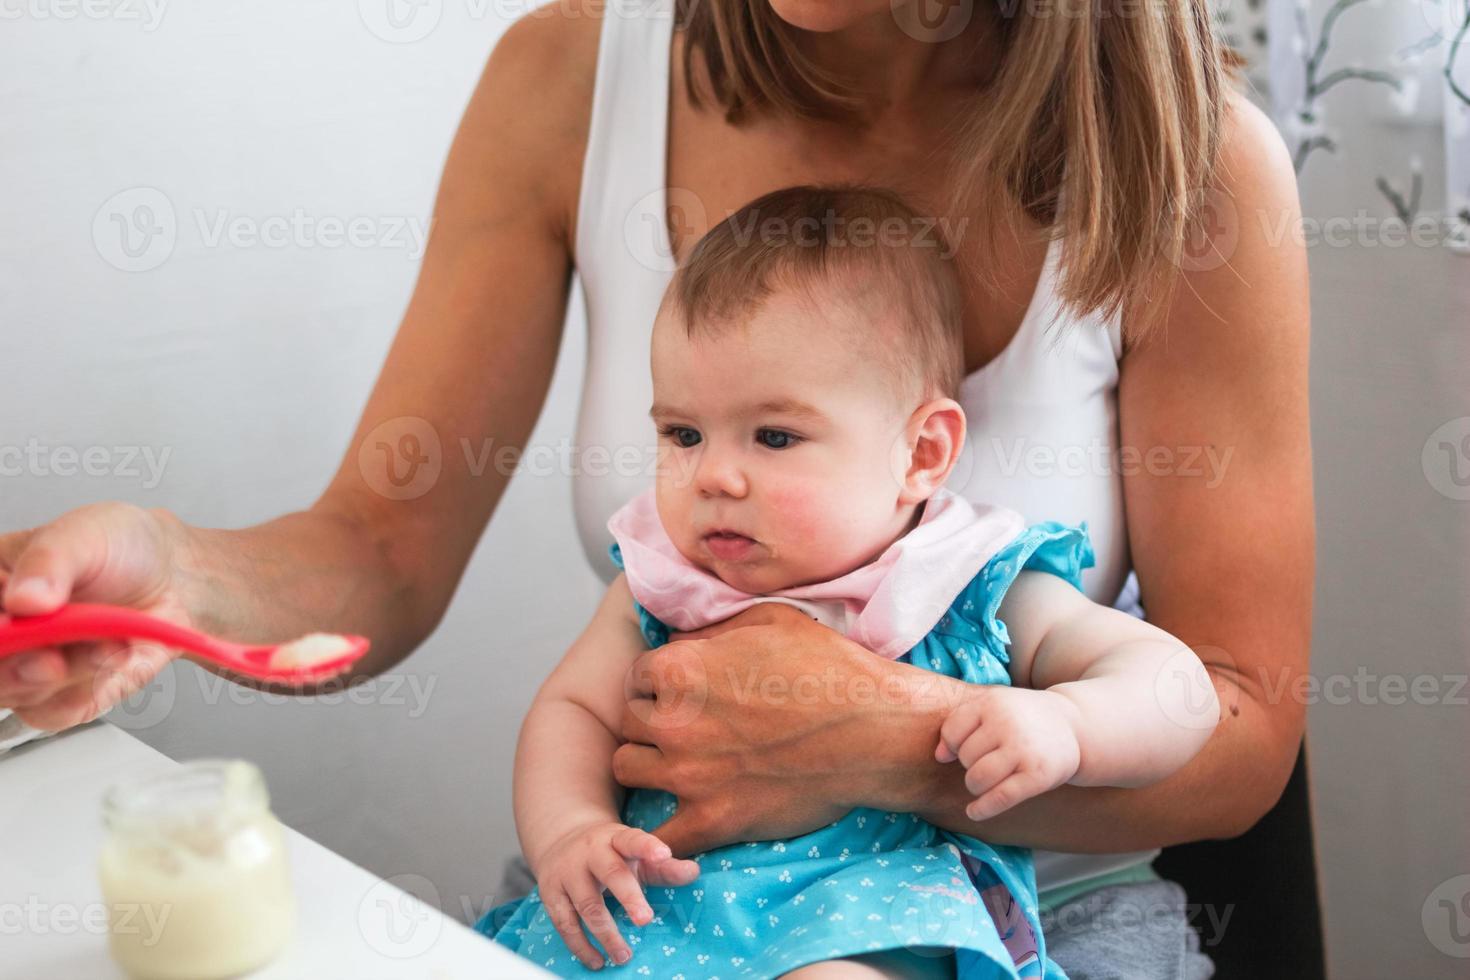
x,y
852,237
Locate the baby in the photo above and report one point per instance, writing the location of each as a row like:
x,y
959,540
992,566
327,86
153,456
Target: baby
x,y
805,361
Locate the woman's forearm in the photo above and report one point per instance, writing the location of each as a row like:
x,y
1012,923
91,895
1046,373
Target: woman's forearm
x,y
308,571
1221,792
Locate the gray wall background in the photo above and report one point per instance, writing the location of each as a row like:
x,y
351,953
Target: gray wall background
x,y
247,363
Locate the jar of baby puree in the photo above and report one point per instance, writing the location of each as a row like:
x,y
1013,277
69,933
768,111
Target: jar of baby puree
x,y
194,873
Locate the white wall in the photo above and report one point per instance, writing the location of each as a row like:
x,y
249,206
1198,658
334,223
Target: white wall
x,y
248,364
241,369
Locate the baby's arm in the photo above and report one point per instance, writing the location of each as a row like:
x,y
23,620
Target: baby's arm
x,y
567,804
1114,701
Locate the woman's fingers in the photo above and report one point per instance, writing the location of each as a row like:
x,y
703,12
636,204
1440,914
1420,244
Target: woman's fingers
x,y
638,766
49,561
98,676
31,676
631,843
562,910
669,873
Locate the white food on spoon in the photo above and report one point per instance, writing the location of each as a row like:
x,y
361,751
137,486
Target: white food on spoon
x,y
310,650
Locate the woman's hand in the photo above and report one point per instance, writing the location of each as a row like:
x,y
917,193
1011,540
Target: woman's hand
x,y
575,869
111,553
770,725
1013,743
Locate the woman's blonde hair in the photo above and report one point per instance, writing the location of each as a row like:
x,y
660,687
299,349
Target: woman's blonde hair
x,y
1115,106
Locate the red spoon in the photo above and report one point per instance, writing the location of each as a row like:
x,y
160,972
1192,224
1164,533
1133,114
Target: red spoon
x,y
313,657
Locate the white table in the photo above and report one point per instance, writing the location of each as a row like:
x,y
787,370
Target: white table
x,y
352,925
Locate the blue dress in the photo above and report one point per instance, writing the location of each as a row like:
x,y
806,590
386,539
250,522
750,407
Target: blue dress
x,y
869,881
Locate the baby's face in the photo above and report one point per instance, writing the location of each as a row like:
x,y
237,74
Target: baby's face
x,y
782,446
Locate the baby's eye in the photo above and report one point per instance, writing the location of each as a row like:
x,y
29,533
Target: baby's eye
x,y
683,436
776,439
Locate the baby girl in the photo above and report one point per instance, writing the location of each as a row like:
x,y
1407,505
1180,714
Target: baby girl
x,y
804,367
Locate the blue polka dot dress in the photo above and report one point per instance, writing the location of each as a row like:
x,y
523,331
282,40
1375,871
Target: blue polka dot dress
x,y
871,880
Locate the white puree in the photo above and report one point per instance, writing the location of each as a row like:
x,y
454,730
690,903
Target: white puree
x,y
310,650
198,896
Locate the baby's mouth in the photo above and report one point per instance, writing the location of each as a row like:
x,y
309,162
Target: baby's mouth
x,y
729,545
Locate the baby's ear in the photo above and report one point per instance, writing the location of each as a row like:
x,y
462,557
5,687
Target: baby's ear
x,y
932,443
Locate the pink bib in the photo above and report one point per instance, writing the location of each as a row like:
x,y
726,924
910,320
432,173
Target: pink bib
x,y
887,605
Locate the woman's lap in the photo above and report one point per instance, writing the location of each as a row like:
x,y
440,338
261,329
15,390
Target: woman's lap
x,y
1137,931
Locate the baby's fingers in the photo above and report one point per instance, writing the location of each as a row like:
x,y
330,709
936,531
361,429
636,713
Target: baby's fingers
x,y
565,913
961,723
988,771
1006,794
617,877
587,897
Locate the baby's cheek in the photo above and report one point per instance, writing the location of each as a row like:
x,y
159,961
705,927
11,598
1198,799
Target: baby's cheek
x,y
801,516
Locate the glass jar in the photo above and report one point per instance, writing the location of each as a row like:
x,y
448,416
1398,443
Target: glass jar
x,y
194,873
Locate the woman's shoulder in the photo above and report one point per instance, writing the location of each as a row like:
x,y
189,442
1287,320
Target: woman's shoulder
x,y
533,102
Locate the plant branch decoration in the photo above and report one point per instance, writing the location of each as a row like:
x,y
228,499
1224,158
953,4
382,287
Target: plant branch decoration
x,y
1449,63
1408,209
1317,84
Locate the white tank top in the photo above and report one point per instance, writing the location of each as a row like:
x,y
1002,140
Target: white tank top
x,y
1042,414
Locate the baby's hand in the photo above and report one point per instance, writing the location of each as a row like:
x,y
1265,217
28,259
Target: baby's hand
x,y
575,870
1014,743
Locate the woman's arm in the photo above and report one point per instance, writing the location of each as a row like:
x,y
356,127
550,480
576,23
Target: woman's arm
x,y
470,365
1225,562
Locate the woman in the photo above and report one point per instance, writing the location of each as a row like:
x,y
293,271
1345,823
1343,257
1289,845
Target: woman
x,y
1177,375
